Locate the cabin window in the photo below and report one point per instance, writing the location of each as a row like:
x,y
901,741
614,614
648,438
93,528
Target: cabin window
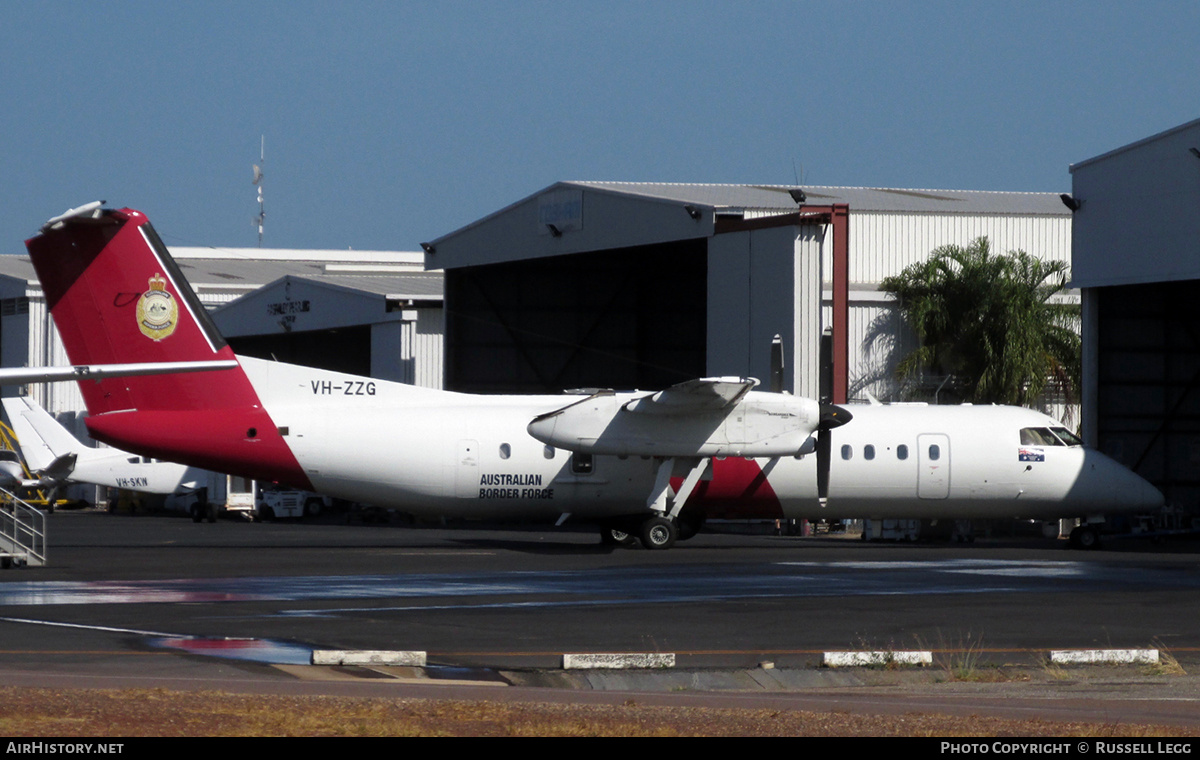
x,y
548,452
581,464
505,451
935,452
868,451
847,452
902,452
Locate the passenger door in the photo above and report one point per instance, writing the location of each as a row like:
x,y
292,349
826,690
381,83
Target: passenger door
x,y
933,457
466,469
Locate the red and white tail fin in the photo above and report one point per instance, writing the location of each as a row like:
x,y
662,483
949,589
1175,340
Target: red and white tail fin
x,y
118,297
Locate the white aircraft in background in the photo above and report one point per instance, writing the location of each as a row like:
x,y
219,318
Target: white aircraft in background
x,y
47,445
12,472
637,463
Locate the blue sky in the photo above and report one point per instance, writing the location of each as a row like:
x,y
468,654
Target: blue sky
x,y
390,123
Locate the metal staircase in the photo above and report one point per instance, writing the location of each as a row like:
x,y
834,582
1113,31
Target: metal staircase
x,y
22,532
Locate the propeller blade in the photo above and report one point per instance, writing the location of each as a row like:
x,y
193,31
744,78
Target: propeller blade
x,y
777,365
832,416
823,446
825,371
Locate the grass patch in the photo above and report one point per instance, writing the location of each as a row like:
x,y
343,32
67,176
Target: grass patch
x,y
1167,665
962,660
28,712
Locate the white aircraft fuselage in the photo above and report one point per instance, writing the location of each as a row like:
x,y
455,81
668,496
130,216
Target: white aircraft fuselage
x,y
441,453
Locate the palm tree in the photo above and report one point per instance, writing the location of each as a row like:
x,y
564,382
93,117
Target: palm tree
x,y
987,320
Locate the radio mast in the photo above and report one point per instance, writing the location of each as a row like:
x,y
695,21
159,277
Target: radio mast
x,y
258,178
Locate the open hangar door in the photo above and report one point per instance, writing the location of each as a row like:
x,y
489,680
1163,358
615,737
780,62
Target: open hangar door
x,y
1148,383
624,318
342,349
1136,259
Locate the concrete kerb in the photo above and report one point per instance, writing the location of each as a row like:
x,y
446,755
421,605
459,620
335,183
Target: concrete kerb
x,y
1105,656
617,661
367,657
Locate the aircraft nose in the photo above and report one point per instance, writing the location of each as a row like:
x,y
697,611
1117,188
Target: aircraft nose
x,y
1145,494
1122,488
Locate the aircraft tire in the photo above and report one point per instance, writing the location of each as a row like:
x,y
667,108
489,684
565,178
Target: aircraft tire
x,y
1085,537
611,535
658,533
689,527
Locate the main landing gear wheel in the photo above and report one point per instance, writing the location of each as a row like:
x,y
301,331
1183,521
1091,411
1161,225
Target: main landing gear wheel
x,y
1085,537
612,536
689,526
659,533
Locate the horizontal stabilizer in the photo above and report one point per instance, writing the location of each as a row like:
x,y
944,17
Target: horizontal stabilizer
x,y
23,375
91,210
60,469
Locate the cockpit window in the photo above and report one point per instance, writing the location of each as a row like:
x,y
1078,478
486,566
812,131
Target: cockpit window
x,y
1038,437
1067,436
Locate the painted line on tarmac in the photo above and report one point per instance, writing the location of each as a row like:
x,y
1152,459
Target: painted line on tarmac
x,y
108,629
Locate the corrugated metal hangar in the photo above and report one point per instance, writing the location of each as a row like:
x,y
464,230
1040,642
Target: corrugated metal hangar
x,y
373,312
1140,283
640,285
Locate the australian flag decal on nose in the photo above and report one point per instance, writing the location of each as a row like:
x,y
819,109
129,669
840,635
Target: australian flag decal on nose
x,y
1031,455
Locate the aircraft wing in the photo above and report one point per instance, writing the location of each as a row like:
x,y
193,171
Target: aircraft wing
x,y
716,416
23,375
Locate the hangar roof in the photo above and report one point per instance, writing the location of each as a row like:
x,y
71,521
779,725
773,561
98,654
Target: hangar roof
x,y
776,197
220,274
1137,144
1152,181
575,217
